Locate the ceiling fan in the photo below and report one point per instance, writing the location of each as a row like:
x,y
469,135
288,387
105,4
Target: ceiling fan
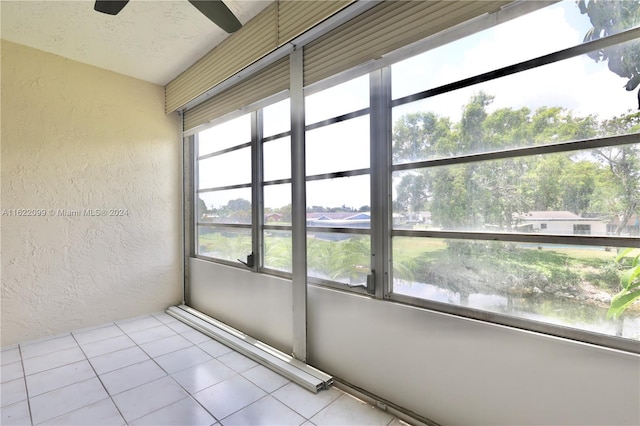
x,y
215,10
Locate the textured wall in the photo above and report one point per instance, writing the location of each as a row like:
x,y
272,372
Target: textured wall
x,y
76,137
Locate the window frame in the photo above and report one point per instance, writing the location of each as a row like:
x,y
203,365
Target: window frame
x,y
345,117
576,334
197,224
381,169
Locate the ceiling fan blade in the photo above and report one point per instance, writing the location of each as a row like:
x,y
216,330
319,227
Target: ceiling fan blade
x,y
219,13
110,7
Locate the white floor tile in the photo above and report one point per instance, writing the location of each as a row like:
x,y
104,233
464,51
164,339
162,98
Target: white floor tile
x,y
55,378
15,414
267,379
12,392
180,327
97,334
347,410
102,413
215,348
164,318
229,396
204,375
9,356
184,412
103,347
267,411
195,337
148,398
45,338
31,350
8,347
303,401
182,359
119,359
165,346
136,324
237,361
151,334
64,400
130,377
11,372
53,360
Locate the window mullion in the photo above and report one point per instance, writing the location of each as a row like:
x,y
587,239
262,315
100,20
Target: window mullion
x,y
298,207
256,189
380,152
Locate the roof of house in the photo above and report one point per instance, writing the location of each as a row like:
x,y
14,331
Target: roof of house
x,y
339,216
549,215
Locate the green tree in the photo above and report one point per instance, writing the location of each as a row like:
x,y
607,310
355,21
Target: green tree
x,y
412,195
237,210
202,208
623,166
577,182
541,185
610,17
416,136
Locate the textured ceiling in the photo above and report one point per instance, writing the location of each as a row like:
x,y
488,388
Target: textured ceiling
x,y
154,40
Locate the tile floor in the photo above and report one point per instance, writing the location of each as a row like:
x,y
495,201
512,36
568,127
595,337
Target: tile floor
x,y
154,370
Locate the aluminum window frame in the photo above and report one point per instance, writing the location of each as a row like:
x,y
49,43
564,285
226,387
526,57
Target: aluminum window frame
x,y
197,224
381,231
362,112
263,226
576,334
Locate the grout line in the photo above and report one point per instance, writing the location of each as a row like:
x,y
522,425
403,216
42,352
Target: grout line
x,y
182,387
167,374
101,383
26,388
188,393
249,405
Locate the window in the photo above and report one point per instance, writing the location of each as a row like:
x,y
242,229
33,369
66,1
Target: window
x,y
223,181
480,168
496,176
276,155
582,229
338,183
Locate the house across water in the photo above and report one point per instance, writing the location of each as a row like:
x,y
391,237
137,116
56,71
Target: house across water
x,y
560,222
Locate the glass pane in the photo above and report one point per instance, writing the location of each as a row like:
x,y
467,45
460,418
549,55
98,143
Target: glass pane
x,y
580,99
339,147
224,243
344,98
277,159
231,168
593,192
230,206
341,202
547,30
277,250
276,118
277,204
226,135
344,258
558,284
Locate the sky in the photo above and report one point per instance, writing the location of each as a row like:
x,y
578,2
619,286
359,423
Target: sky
x,y
579,84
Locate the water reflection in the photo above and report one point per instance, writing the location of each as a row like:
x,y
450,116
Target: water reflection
x,y
565,313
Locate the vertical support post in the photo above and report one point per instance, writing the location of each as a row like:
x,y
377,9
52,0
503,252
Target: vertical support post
x,y
298,207
257,210
189,209
380,130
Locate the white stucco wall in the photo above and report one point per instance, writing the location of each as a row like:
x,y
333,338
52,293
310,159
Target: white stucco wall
x,y
77,137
